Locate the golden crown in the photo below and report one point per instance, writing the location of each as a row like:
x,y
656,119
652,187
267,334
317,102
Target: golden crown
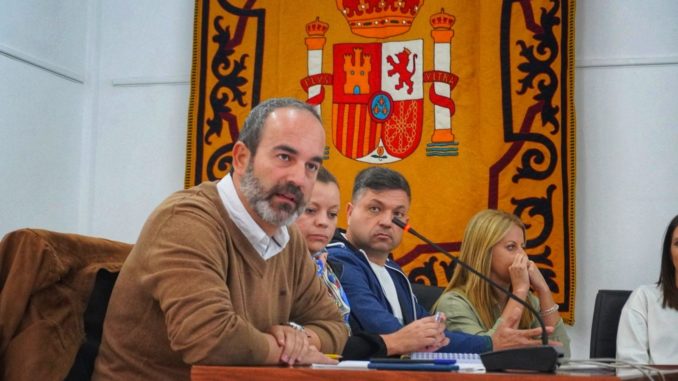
x,y
317,28
379,18
442,20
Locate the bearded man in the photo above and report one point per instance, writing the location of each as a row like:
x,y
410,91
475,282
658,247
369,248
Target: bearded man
x,y
216,276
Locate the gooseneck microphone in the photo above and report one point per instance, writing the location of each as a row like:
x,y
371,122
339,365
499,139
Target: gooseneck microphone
x,y
543,358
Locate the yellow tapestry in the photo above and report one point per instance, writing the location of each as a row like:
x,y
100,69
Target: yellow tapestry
x,y
471,100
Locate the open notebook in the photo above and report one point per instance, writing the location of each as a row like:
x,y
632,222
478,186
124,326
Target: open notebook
x,y
469,362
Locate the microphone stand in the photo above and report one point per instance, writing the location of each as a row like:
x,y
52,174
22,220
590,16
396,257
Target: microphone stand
x,y
543,358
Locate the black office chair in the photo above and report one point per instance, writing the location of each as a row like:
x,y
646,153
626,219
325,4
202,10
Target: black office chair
x,y
426,295
606,313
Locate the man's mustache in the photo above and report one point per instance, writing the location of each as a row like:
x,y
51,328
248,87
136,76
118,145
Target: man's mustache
x,y
287,189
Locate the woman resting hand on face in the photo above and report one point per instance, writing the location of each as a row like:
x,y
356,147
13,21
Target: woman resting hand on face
x,y
494,244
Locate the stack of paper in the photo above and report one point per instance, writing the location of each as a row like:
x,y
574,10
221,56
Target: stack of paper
x,y
348,364
468,362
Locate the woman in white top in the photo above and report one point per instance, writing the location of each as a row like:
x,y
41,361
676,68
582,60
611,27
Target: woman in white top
x,y
647,331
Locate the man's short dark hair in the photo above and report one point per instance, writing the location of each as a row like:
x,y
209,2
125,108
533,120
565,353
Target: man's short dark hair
x,y
326,177
250,134
379,179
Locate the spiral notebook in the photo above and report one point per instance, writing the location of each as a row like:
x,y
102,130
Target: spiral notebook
x,y
469,362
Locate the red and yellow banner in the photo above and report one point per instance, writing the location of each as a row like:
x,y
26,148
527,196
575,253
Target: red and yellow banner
x,y
471,100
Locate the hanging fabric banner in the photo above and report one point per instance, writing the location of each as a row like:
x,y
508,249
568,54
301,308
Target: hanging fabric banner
x,y
473,101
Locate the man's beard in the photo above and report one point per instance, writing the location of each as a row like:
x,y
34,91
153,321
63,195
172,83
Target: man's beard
x,y
260,199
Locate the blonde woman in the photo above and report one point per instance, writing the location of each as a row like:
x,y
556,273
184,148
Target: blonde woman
x,y
494,244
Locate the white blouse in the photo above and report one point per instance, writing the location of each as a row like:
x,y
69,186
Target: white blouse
x,y
648,333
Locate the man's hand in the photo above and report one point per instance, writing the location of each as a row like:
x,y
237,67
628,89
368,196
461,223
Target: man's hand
x,y
295,347
506,336
294,343
314,356
423,335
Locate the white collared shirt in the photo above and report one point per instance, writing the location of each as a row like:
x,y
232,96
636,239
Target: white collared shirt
x,y
266,246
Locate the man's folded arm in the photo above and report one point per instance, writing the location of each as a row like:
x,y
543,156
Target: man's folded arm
x,y
187,278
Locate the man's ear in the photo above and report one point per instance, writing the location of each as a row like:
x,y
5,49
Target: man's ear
x,y
349,210
241,157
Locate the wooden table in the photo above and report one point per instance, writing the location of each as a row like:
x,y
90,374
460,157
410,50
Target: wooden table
x,y
220,373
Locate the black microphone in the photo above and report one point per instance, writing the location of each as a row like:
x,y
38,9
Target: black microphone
x,y
543,358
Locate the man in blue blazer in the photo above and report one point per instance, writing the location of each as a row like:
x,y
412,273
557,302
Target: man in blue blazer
x,y
380,294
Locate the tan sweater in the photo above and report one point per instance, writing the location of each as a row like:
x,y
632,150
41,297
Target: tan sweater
x,y
194,291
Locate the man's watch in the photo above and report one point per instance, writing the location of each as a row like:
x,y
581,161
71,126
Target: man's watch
x,y
297,327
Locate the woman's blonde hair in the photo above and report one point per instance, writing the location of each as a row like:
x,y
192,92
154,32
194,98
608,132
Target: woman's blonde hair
x,y
483,231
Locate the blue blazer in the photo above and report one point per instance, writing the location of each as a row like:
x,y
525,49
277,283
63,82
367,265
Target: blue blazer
x,y
370,310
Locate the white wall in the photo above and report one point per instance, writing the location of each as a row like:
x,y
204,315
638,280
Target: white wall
x,y
627,146
141,122
42,46
109,149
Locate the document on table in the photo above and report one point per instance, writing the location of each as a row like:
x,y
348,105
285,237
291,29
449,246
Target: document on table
x,y
468,362
348,364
